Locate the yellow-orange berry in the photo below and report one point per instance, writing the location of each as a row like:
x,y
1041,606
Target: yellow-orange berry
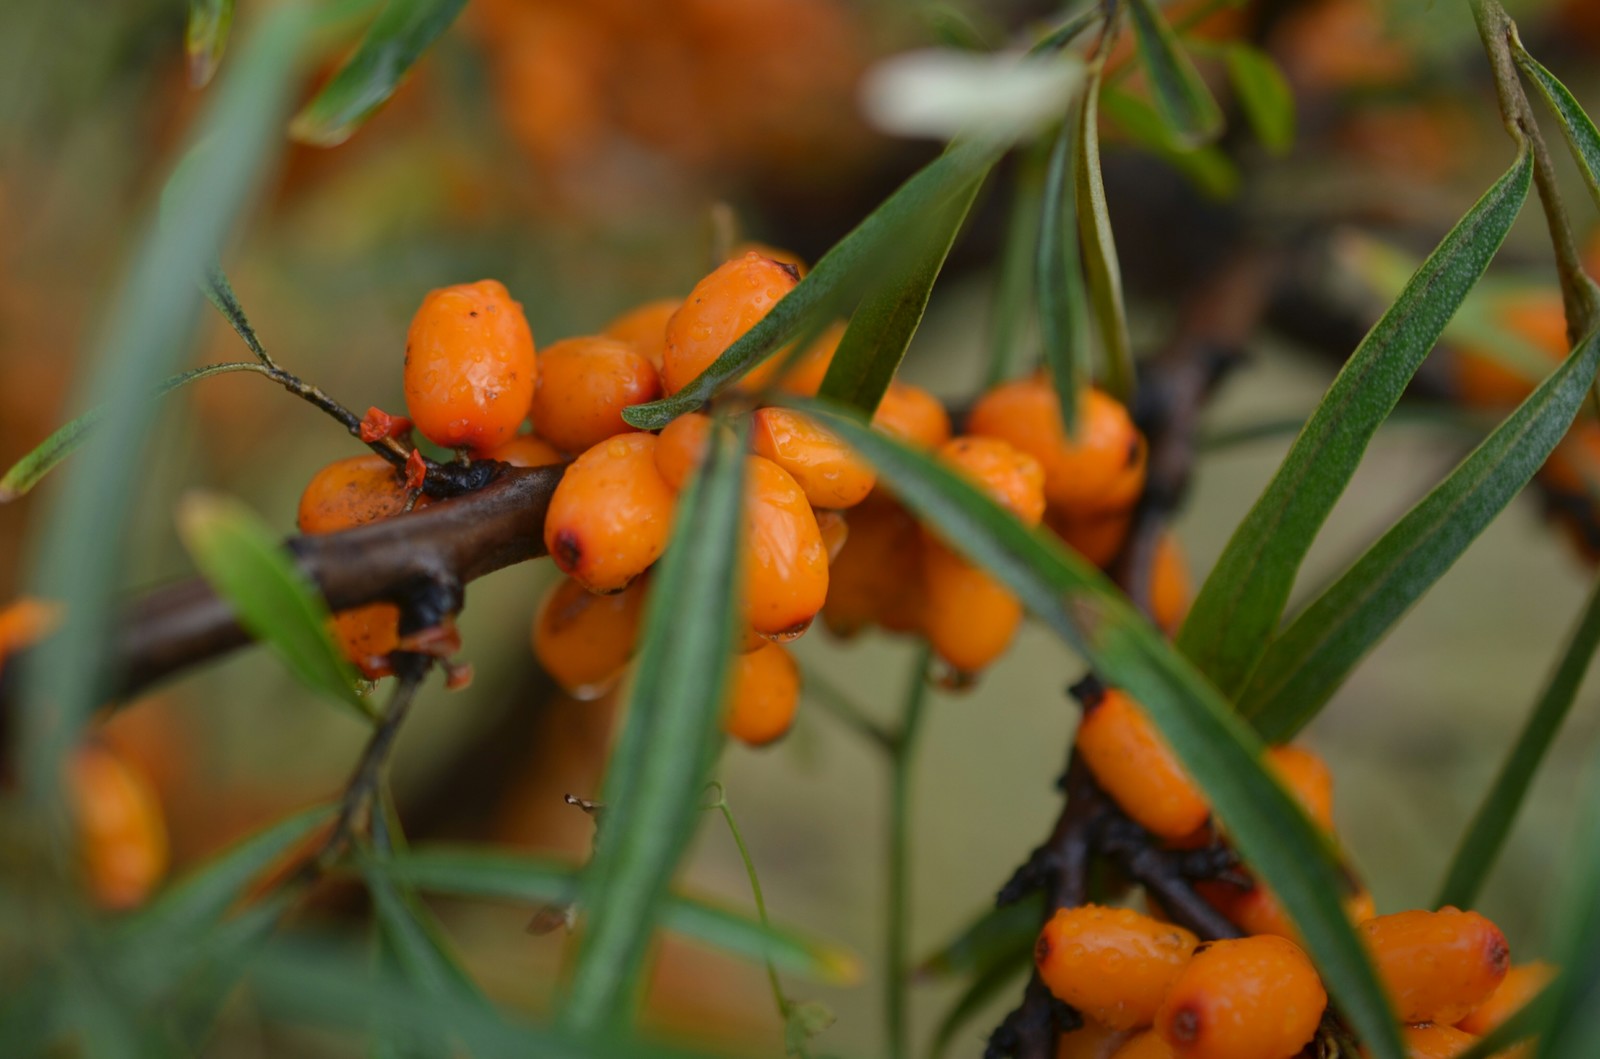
x,y
804,376
526,450
646,328
1249,998
876,578
1112,964
1437,966
1094,1041
717,313
831,475
122,837
584,384
1307,778
1256,910
775,253
1012,477
583,640
764,689
913,415
470,366
1521,984
1169,585
1147,1045
1097,537
968,617
611,515
786,563
1436,1042
835,531
682,447
1134,765
1101,469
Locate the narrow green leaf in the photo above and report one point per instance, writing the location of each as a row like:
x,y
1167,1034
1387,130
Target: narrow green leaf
x,y
1238,607
31,469
659,769
219,963
1063,304
1216,747
788,949
1525,1023
1180,92
1068,31
1479,847
990,983
881,328
420,947
1014,290
206,38
403,30
1570,1027
1264,95
248,566
1308,662
1207,167
833,282
1582,137
987,938
1100,249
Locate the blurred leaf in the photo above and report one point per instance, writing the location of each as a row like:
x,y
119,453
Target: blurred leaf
x,y
882,326
989,984
1569,1027
1069,30
1063,304
657,773
1264,95
833,281
788,949
990,937
250,569
1180,93
219,963
1579,129
1524,1023
1312,657
948,94
1238,607
1479,847
1217,748
803,1021
1207,167
1014,290
207,36
1100,250
403,30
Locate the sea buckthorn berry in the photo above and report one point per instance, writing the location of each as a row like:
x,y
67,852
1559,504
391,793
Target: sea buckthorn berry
x,y
1256,910
1102,469
682,447
646,328
122,836
1249,998
1437,966
1112,964
1009,475
1169,585
1307,778
1438,1042
1482,377
1521,984
831,475
584,384
583,640
1093,1041
717,313
805,375
526,450
968,617
912,415
470,366
876,577
764,689
835,531
1098,537
786,563
611,515
1134,765
778,254
1147,1045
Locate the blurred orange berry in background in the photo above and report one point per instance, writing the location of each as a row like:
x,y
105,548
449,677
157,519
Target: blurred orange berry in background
x,y
763,693
122,838
584,640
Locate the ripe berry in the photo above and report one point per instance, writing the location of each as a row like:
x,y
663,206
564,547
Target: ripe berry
x,y
1307,778
526,450
682,447
786,563
646,328
1147,1045
717,313
1439,1042
1169,585
1134,764
584,384
1437,966
122,837
1256,910
968,617
835,532
1102,469
913,415
1521,984
611,515
778,254
1250,998
583,640
1012,477
1097,537
470,366
764,689
1112,964
805,374
876,578
831,475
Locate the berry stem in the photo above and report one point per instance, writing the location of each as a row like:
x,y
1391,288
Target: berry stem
x,y
897,947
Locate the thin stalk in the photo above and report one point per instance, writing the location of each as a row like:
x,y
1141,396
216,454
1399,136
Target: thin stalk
x,y
839,703
897,935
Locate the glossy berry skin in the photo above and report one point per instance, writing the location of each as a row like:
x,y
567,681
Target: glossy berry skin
x,y
584,384
1134,765
1521,984
968,617
1169,585
1098,537
831,475
805,375
786,561
717,313
1439,1042
763,692
912,415
611,515
1250,998
1307,777
583,640
470,368
122,837
1102,469
1011,477
1112,964
645,327
1437,966
1256,910
876,579
1147,1045
835,532
526,450
682,447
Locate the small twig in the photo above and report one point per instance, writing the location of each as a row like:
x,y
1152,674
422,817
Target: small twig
x,y
839,703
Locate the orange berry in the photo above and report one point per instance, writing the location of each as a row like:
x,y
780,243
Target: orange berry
x,y
584,384
1012,477
1521,984
1437,966
1428,1041
1169,585
717,313
646,328
835,531
1255,909
1102,469
1306,777
1147,1045
1098,537
683,447
1094,1041
804,376
1485,380
912,415
1134,765
968,617
831,475
1112,964
763,692
767,250
1250,998
526,450
876,577
470,366
122,837
611,515
583,640
786,562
